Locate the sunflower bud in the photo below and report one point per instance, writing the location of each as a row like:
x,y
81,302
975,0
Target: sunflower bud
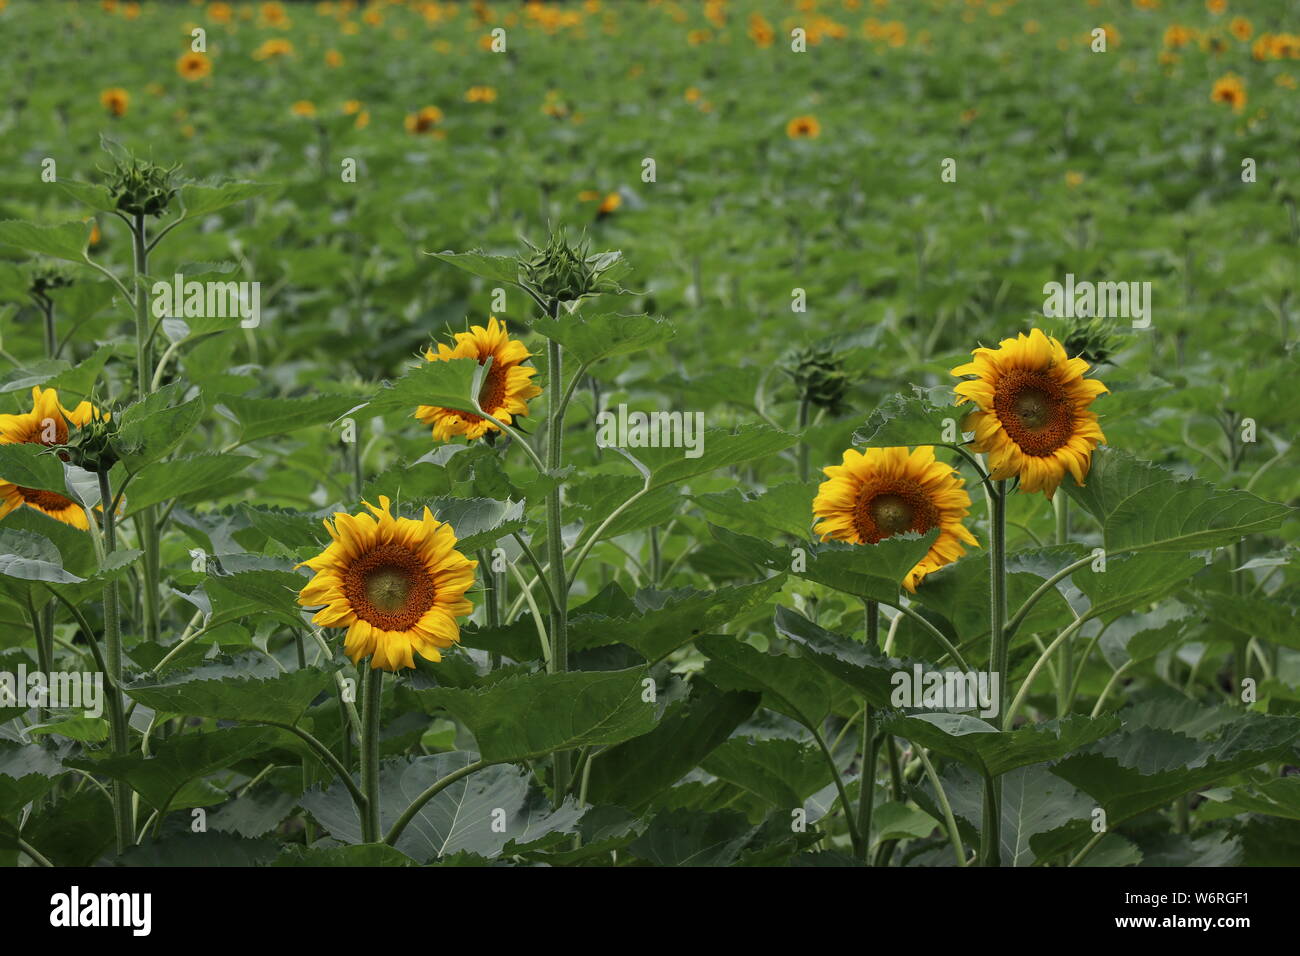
x,y
561,272
142,188
1093,339
819,376
93,446
46,278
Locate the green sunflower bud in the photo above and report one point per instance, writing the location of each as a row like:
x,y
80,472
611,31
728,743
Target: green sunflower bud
x,y
819,376
93,446
45,278
1093,339
564,272
142,188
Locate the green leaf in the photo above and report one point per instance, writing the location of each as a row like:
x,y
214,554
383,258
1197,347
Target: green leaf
x,y
165,480
201,200
1141,767
478,522
481,264
1131,581
447,384
522,718
96,197
37,373
263,417
786,508
26,772
793,686
30,557
87,730
632,773
1143,507
909,420
178,760
361,854
991,752
719,447
247,687
671,619
782,772
863,669
152,427
592,338
893,820
65,241
697,838
460,818
873,571
31,465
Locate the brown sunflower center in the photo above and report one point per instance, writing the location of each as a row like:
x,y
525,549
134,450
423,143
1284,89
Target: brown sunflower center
x,y
1035,411
45,500
899,507
389,587
492,394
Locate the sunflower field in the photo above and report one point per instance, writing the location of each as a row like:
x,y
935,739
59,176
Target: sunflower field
x,y
843,433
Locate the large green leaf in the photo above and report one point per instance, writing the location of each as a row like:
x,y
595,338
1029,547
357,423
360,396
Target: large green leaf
x,y
1131,581
485,266
1144,767
631,774
786,508
201,199
522,718
484,813
865,670
909,420
991,752
719,447
26,772
874,571
792,685
165,480
591,338
247,687
152,427
175,761
30,557
447,384
264,417
65,241
782,772
1144,507
31,465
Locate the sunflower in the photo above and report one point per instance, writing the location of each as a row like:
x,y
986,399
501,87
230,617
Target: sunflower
x,y
1032,418
1229,89
115,100
193,66
423,121
888,491
303,108
803,127
396,584
46,424
505,391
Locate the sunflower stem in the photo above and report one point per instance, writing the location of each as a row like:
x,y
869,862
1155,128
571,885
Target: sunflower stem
x,y
990,854
870,742
1065,671
147,520
559,630
123,818
370,752
804,406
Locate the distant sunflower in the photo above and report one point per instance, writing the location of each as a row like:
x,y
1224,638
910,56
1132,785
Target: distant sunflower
x,y
888,491
116,100
505,391
46,424
1032,417
423,121
193,66
1231,90
397,584
803,127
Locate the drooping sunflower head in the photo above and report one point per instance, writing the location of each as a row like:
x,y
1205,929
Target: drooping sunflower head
x,y
506,387
1032,414
46,424
883,492
397,584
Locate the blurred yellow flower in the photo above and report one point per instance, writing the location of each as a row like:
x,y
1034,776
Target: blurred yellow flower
x,y
273,48
333,59
304,108
1229,89
193,66
423,121
481,94
803,127
115,100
